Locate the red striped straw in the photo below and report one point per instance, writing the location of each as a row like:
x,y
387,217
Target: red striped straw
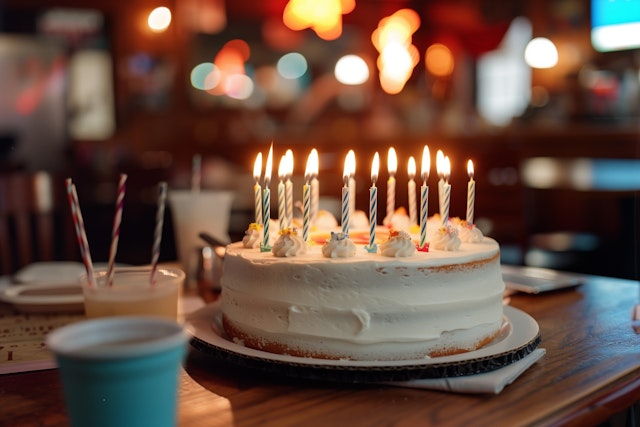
x,y
157,235
115,233
80,230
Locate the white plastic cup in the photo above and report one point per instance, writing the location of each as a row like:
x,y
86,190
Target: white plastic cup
x,y
194,212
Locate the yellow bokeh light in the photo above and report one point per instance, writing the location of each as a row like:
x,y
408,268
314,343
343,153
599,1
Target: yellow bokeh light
x,y
398,57
322,16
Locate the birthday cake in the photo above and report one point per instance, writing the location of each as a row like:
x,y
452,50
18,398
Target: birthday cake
x,y
337,297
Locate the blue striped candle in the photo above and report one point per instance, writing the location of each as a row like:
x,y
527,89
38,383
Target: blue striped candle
x,y
373,214
424,214
345,208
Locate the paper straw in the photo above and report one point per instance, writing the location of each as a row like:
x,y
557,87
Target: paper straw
x,y
157,235
115,233
81,234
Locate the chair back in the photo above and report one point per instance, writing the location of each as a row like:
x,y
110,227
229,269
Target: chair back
x,y
35,221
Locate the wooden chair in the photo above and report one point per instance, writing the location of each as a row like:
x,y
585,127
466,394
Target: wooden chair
x,y
35,221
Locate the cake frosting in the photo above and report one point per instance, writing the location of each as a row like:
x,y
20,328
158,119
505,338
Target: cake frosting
x,y
336,300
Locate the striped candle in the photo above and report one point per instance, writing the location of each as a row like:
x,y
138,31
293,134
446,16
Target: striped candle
x,y
306,210
345,207
373,204
373,214
81,234
266,202
266,217
115,233
424,214
349,167
157,232
312,167
446,191
424,196
257,190
392,166
411,187
471,193
288,188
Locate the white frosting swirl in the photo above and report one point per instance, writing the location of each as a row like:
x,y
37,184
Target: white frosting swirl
x,y
340,246
398,245
252,237
469,233
446,239
289,244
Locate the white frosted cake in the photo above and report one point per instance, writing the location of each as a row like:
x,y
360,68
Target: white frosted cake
x,y
339,301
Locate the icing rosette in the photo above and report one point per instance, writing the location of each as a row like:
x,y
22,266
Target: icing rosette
x,y
289,244
398,245
446,239
253,236
469,233
340,246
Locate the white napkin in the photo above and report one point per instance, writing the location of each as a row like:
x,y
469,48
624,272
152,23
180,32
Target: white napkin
x,y
492,382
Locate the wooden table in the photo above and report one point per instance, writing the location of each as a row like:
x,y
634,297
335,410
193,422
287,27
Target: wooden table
x,y
591,371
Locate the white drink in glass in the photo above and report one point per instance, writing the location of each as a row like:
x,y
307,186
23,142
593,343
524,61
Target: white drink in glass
x,y
133,294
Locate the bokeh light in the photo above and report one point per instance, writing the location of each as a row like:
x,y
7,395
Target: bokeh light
x,y
439,60
541,53
351,70
292,65
159,19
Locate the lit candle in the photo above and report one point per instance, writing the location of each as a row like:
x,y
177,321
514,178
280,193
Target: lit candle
x,y
257,190
315,186
424,197
392,167
352,183
288,188
348,167
446,190
471,193
373,204
439,171
282,201
266,203
312,167
411,172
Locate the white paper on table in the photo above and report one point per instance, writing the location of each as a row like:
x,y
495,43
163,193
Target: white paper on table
x,y
492,382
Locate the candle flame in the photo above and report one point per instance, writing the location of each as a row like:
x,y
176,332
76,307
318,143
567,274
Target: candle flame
x,y
282,168
411,167
349,166
257,167
426,164
312,165
375,167
267,170
440,163
470,169
392,161
289,170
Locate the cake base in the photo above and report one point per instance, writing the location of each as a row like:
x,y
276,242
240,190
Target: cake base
x,y
449,343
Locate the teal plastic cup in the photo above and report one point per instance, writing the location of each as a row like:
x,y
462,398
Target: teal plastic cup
x,y
120,371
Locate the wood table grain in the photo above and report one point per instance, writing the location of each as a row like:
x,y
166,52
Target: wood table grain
x,y
591,371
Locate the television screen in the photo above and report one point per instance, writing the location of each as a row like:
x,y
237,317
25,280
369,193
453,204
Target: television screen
x,y
615,25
